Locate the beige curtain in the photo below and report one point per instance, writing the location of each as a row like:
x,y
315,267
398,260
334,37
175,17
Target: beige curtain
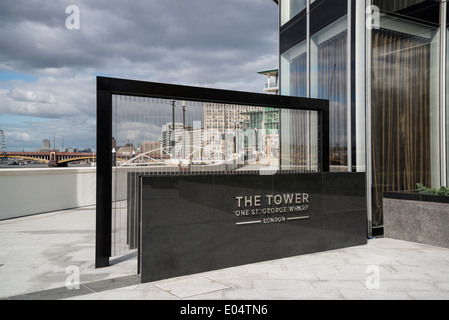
x,y
299,143
298,73
400,114
332,83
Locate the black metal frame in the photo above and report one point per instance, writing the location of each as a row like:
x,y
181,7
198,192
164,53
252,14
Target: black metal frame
x,y
107,87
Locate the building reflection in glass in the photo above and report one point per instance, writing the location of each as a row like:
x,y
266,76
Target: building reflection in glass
x,y
161,135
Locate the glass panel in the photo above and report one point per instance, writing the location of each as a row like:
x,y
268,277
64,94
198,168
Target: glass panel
x,y
328,77
165,137
396,5
299,145
299,130
294,71
405,108
290,8
447,107
420,10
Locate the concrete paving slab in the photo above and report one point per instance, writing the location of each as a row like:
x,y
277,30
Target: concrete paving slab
x,y
191,286
40,256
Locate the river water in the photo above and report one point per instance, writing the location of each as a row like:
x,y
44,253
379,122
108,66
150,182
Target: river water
x,y
37,165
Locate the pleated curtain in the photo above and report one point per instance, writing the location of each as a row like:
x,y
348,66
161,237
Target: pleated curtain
x,y
299,141
400,114
332,84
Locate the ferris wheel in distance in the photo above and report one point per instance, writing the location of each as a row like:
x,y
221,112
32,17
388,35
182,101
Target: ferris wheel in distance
x,y
3,142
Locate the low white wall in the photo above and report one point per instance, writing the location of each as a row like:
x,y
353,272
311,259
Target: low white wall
x,y
32,191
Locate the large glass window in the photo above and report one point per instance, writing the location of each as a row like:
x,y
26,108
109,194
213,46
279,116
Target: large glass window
x,y
294,71
299,145
405,109
447,107
290,8
302,149
329,80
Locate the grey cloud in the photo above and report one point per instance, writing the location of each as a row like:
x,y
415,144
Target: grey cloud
x,y
166,34
29,135
215,43
53,98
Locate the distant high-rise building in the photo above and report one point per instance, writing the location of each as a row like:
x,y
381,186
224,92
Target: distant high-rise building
x,y
151,149
46,144
166,132
272,85
231,117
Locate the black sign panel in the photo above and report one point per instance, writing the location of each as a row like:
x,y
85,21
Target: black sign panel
x,y
192,224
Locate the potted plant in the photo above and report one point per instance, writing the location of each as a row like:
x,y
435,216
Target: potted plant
x,y
443,191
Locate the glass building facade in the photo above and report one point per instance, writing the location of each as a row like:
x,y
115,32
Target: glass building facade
x,y
383,66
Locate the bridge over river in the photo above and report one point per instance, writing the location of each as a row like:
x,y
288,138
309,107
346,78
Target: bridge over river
x,y
52,158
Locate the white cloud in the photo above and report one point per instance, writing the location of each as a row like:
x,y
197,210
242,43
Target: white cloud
x,y
219,44
50,97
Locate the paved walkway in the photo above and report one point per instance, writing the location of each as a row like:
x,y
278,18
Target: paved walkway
x,y
40,256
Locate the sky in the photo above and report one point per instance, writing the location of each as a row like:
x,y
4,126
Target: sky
x,y
49,63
